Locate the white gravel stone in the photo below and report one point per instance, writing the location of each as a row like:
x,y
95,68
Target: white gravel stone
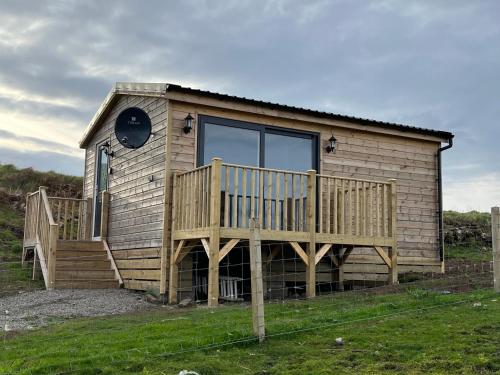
x,y
35,309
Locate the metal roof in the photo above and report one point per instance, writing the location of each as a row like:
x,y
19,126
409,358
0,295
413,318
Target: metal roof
x,y
161,89
310,112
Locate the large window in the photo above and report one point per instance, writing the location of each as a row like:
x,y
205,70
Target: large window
x,y
256,145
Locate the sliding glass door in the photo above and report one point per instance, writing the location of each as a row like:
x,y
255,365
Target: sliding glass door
x,y
243,143
255,145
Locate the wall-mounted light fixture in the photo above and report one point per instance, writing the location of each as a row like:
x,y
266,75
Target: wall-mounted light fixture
x,y
332,144
188,123
107,149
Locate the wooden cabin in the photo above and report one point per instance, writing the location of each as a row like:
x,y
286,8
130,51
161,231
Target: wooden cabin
x,y
365,195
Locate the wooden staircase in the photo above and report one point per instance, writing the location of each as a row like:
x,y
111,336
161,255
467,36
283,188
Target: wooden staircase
x,y
57,234
84,265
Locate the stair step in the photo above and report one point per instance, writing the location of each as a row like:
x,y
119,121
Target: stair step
x,y
82,254
79,264
83,275
79,245
86,284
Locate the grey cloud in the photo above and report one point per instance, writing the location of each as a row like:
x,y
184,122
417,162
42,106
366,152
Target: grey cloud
x,y
426,63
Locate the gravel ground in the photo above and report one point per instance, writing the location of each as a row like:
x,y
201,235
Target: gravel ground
x,y
29,310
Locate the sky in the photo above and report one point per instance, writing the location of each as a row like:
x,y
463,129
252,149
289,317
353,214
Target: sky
x,y
432,64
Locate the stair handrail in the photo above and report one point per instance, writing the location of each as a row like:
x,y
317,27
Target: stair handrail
x,y
47,235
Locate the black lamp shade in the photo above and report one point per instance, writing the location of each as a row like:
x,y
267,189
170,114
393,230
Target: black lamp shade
x,y
188,123
332,144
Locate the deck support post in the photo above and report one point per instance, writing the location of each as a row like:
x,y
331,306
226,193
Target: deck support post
x,y
174,268
173,276
311,245
214,233
340,270
393,250
495,237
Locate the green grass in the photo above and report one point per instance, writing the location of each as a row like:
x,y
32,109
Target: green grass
x,y
416,331
472,253
12,276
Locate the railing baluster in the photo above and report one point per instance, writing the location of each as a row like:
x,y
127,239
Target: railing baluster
x,y
301,204
66,209
71,234
226,197
80,213
285,201
335,208
377,212
357,215
244,215
383,209
349,223
277,209
319,201
235,197
328,204
269,197
293,203
261,196
252,194
370,209
342,206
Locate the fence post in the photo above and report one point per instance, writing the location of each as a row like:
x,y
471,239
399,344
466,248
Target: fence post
x,y
393,250
214,233
104,214
88,220
259,328
495,242
311,246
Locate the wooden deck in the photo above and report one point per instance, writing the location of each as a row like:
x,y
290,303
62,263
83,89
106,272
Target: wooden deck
x,y
309,211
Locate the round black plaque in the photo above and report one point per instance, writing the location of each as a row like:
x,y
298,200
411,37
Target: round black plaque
x,y
133,128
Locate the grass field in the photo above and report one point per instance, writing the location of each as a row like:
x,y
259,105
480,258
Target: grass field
x,y
416,331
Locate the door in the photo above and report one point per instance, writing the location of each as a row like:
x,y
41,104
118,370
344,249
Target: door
x,y
101,184
243,143
250,144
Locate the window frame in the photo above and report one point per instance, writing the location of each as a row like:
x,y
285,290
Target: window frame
x,y
263,130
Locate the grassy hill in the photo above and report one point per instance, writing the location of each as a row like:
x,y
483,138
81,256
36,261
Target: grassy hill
x,y
14,185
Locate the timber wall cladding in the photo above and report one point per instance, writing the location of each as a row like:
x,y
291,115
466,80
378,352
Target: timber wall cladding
x,y
136,206
360,154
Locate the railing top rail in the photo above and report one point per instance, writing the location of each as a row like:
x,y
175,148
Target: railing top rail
x,y
264,169
355,179
180,173
47,207
33,193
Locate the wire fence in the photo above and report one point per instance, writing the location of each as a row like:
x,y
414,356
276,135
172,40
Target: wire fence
x,y
348,293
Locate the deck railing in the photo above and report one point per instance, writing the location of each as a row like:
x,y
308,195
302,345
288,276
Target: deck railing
x,y
283,201
73,217
41,232
354,207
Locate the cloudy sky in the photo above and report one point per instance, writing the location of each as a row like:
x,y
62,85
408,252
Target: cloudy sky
x,y
433,64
